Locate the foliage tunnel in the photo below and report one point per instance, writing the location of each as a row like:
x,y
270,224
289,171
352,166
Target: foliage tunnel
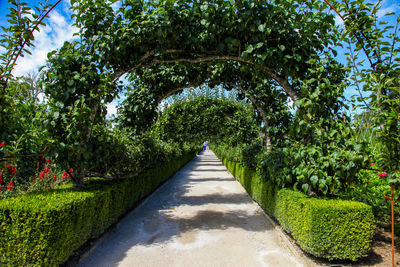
x,y
276,53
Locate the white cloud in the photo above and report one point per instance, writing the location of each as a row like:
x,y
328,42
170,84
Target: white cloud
x,y
57,31
116,5
112,108
383,11
338,21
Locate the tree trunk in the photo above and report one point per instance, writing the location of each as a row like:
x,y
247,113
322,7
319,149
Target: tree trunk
x,y
267,138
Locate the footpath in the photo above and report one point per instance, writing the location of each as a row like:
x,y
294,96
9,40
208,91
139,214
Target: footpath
x,y
201,217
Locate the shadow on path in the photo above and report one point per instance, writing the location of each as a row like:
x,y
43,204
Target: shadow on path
x,y
195,200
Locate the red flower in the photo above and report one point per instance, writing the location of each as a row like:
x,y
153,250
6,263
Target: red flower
x,y
11,170
2,144
42,175
351,183
10,186
48,160
34,178
47,169
383,174
71,170
65,175
367,182
1,178
54,177
372,164
388,198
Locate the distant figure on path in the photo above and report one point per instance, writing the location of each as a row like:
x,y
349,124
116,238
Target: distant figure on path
x,y
206,145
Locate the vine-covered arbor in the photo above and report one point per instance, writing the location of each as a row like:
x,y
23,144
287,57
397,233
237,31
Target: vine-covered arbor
x,y
273,52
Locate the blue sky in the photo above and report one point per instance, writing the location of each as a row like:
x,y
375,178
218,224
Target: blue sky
x,y
387,6
60,29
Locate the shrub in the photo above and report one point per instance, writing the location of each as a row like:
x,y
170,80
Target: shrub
x,y
44,228
326,228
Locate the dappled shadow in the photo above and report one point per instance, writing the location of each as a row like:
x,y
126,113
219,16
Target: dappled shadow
x,y
373,259
163,227
209,170
214,199
208,163
212,219
217,179
178,213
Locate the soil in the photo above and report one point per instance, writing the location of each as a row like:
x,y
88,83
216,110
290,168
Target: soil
x,y
381,254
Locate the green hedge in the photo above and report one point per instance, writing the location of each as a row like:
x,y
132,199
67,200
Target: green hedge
x,y
45,228
326,228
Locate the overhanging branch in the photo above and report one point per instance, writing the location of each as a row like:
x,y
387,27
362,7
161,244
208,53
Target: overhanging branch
x,y
282,81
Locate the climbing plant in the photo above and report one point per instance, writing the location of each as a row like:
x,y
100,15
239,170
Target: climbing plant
x,y
274,52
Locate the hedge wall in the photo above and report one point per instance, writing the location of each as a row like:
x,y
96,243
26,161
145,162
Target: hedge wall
x,y
45,228
326,228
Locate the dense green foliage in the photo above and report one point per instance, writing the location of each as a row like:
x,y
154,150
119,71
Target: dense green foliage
x,y
331,229
207,118
376,75
165,46
279,56
44,228
327,169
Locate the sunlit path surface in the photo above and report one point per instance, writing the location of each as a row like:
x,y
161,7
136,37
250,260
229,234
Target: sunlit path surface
x,y
201,217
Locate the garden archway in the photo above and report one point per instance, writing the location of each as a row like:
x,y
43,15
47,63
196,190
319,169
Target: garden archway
x,y
275,45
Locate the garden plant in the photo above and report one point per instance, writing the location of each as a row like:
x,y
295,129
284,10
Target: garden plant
x,y
287,119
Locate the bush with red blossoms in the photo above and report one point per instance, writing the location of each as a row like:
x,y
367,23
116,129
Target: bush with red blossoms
x,y
8,173
49,177
12,184
373,188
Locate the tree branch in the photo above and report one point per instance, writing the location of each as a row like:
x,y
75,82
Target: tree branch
x,y
282,81
268,143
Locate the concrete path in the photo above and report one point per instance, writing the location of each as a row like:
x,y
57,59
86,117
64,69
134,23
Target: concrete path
x,y
200,217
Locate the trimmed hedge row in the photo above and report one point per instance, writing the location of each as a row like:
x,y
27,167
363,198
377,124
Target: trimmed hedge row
x,y
45,228
326,228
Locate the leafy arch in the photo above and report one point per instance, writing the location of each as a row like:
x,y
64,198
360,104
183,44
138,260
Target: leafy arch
x,y
155,84
276,38
270,50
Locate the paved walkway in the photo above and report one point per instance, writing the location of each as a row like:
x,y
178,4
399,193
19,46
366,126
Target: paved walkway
x,y
200,217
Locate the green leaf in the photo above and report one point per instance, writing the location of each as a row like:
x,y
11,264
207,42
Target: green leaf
x,y
305,187
314,180
250,49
